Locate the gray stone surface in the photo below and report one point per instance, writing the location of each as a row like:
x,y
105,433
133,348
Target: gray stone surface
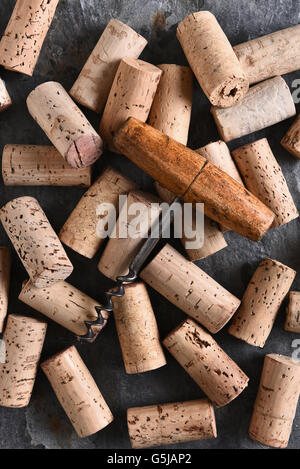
x,y
75,30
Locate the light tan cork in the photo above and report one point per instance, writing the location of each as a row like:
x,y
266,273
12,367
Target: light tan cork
x,y
276,401
267,289
5,268
213,240
218,154
267,56
131,95
64,304
292,322
137,330
122,248
77,392
93,84
81,231
263,177
172,104
212,59
35,241
177,422
23,38
5,100
23,338
40,165
207,364
291,140
64,124
190,289
264,105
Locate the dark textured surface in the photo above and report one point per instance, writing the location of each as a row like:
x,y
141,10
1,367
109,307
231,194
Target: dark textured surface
x,y
75,29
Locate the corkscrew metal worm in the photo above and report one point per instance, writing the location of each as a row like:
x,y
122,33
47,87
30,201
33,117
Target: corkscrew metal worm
x,y
158,231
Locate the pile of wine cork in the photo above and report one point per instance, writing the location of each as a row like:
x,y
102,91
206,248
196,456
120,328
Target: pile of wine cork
x,y
146,111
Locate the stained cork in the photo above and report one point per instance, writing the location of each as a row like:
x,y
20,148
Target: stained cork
x,y
40,165
64,124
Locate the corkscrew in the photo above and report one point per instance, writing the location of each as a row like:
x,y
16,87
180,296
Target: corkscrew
x,y
158,231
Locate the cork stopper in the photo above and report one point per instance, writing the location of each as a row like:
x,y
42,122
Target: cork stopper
x,y
35,241
292,322
64,124
5,100
208,365
23,338
5,268
276,401
137,330
91,89
77,392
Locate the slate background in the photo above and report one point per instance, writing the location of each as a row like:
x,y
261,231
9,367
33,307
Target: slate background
x,y
75,30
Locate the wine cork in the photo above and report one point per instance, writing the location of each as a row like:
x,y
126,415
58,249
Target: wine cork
x,y
77,392
208,365
5,268
292,322
261,302
64,124
177,422
65,305
264,178
264,105
40,165
267,56
194,179
35,241
172,104
131,95
5,100
81,231
190,289
213,240
93,84
218,154
276,401
291,140
129,235
137,330
23,338
212,59
23,38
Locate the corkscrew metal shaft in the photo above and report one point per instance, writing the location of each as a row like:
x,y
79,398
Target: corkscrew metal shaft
x,y
158,231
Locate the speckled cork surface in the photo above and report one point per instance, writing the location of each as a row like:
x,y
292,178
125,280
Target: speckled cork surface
x,y
76,28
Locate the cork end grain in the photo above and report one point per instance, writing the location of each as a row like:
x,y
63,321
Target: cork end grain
x,y
84,151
